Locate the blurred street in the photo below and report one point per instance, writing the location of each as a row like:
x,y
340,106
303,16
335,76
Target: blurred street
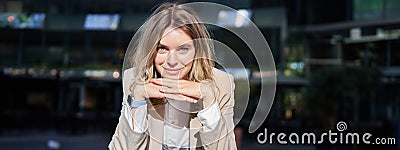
x,y
48,141
97,142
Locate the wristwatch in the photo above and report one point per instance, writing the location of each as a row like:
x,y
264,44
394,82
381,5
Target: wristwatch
x,y
135,103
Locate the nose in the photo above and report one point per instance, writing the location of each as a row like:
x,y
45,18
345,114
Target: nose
x,y
172,60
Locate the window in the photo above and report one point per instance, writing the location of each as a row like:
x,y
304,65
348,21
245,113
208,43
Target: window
x,y
101,22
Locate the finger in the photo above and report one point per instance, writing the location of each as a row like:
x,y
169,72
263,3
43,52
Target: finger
x,y
193,90
191,99
189,92
177,97
156,81
153,94
152,91
170,90
165,82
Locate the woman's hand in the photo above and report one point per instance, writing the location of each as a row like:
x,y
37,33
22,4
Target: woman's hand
x,y
204,91
146,90
152,90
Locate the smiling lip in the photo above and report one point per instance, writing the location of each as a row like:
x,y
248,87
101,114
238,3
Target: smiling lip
x,y
172,71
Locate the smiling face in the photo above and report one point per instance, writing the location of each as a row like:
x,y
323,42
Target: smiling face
x,y
175,54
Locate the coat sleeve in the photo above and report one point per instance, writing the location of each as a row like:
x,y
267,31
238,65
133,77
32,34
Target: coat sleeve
x,y
124,137
222,136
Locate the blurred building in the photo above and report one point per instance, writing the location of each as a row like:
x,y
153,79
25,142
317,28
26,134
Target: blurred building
x,y
61,60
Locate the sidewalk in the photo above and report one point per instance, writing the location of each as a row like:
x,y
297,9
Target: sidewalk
x,y
43,142
100,142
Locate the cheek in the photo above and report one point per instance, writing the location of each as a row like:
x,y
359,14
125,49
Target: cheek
x,y
159,59
188,61
186,71
158,62
188,57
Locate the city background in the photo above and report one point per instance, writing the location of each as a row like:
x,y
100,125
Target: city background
x,y
336,60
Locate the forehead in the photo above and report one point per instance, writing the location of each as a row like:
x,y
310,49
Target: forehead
x,y
175,37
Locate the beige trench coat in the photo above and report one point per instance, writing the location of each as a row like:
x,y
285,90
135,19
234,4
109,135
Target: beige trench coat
x,y
222,137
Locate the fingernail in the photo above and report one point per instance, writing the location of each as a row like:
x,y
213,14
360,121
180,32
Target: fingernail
x,y
195,101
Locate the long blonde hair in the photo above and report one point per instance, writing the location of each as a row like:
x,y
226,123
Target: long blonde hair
x,y
145,41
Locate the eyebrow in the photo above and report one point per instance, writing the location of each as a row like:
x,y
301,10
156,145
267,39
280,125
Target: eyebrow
x,y
162,45
183,45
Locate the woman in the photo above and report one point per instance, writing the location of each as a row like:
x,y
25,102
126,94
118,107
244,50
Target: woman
x,y
174,98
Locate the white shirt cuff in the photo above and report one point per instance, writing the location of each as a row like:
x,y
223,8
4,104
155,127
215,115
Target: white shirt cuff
x,y
139,120
209,117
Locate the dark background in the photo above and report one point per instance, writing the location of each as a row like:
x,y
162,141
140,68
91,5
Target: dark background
x,y
336,60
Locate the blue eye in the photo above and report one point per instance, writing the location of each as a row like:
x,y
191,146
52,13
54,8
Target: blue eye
x,y
183,49
161,48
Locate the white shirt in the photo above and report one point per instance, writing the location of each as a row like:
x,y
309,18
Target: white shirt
x,y
173,133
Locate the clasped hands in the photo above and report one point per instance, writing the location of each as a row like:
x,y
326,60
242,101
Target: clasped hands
x,y
204,91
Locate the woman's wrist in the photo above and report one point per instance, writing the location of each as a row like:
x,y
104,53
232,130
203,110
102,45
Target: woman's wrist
x,y
208,90
209,98
138,97
138,93
207,102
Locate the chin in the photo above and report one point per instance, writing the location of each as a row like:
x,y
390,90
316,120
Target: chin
x,y
166,75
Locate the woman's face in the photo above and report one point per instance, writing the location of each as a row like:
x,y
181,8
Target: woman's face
x,y
175,54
